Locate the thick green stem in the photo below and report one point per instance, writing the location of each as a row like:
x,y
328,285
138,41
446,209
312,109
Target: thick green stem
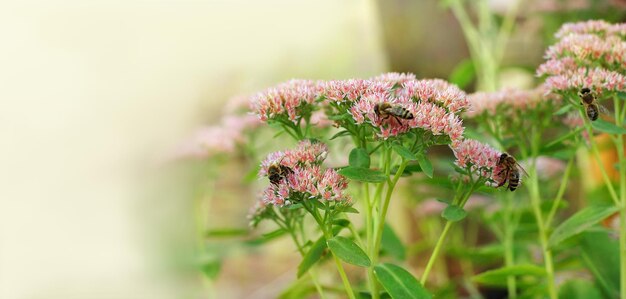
x,y
619,143
328,235
509,235
535,201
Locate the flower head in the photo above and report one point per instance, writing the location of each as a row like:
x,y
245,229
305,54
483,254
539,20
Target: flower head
x,y
597,27
507,101
437,91
306,180
478,157
290,98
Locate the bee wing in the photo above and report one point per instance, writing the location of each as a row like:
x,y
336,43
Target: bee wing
x,y
603,110
522,169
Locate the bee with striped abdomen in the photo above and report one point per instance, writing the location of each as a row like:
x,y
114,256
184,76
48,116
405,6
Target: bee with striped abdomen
x,y
386,110
276,172
592,108
510,172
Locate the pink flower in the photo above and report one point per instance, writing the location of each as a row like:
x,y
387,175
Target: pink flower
x,y
345,90
597,79
287,98
479,157
598,27
508,101
426,115
307,180
394,78
588,49
436,91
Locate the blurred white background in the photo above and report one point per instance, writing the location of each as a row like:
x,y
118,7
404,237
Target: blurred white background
x,y
93,93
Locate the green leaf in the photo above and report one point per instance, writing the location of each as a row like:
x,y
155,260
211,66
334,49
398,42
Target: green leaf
x,y
463,73
579,289
359,157
294,206
453,213
363,174
346,250
341,222
563,110
580,222
391,244
226,232
403,152
312,256
607,127
600,252
211,268
266,237
498,277
564,137
426,166
621,95
399,283
340,134
350,210
340,116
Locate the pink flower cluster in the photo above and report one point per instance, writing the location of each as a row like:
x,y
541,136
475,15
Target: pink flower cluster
x,y
598,27
426,116
307,179
353,89
394,78
588,54
221,138
507,101
285,99
480,157
436,91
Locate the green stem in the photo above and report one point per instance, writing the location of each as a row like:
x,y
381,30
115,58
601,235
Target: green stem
x,y
560,193
535,200
596,155
328,235
369,231
619,143
509,235
311,272
442,236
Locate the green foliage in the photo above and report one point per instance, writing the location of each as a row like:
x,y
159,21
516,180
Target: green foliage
x,y
359,158
600,253
463,73
346,250
425,165
312,256
607,127
581,221
391,244
363,174
453,213
498,277
399,283
579,289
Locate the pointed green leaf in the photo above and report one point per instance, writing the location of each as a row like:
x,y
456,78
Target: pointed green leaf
x,y
312,256
579,289
391,244
399,283
563,110
580,222
403,152
425,164
339,134
453,213
347,251
607,127
359,157
363,174
226,232
498,277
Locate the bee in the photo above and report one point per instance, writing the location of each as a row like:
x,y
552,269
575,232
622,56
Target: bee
x,y
592,108
511,170
386,110
276,172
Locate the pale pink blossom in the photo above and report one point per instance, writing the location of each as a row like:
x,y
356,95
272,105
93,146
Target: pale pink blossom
x,y
436,91
350,90
394,78
307,179
426,115
507,101
222,138
557,66
588,49
320,120
287,99
598,27
479,157
596,79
